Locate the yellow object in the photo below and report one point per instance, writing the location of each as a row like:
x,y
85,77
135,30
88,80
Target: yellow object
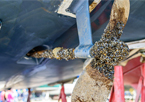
x,y
131,90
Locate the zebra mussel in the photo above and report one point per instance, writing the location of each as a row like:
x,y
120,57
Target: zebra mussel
x,y
108,51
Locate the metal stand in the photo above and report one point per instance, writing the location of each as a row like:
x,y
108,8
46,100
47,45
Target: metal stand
x,y
141,85
62,95
29,94
117,92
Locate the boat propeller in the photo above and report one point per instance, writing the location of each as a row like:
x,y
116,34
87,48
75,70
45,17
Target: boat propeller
x,y
95,83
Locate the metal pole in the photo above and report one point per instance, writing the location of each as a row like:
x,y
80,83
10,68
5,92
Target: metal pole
x,y
143,87
62,94
118,84
112,95
139,88
29,93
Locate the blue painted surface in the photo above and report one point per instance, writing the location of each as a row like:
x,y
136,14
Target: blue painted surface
x,y
84,31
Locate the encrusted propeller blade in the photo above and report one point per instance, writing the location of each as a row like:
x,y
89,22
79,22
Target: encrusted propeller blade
x,y
95,83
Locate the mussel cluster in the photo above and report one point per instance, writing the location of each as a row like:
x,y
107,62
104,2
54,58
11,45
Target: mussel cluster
x,y
44,54
108,51
66,54
63,53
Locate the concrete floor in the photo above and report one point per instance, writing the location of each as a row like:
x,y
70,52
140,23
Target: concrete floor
x,y
68,100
